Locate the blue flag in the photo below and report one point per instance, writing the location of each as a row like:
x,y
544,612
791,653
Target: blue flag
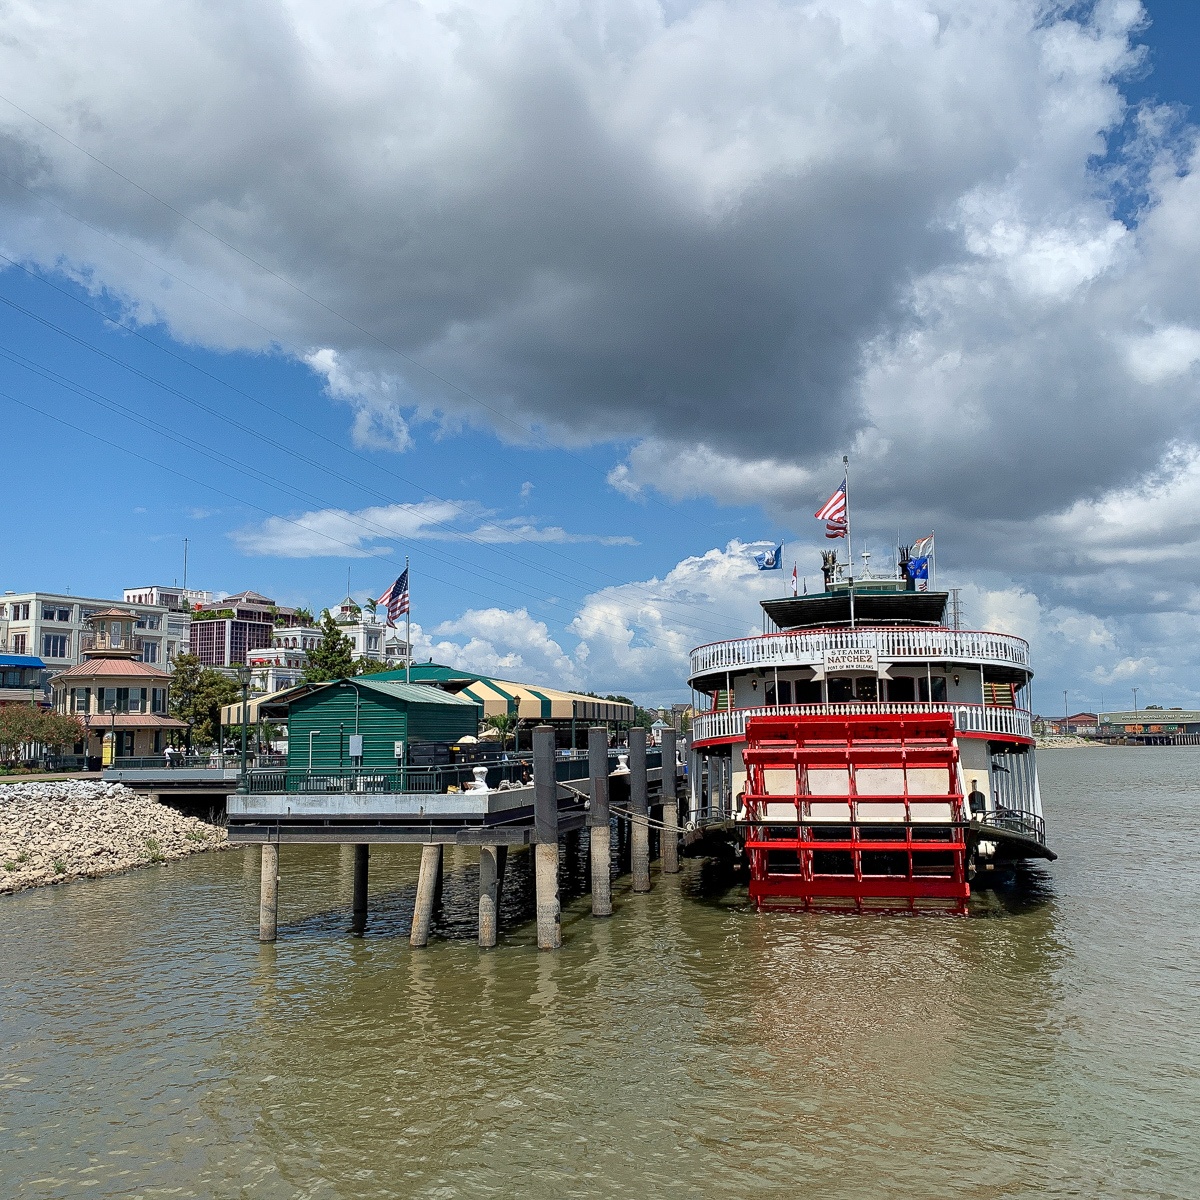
x,y
918,569
770,560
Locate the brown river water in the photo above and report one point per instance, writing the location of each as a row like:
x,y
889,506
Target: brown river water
x,y
1047,1045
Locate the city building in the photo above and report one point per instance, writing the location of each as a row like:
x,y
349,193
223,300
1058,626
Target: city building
x,y
55,628
371,638
122,700
177,599
281,664
1150,726
22,679
223,635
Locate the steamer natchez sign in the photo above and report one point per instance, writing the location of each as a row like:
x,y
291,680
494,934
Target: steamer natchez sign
x,y
863,658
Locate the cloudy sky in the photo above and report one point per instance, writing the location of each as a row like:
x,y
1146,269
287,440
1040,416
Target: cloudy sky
x,y
573,304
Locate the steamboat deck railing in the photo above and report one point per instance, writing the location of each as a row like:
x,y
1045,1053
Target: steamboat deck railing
x,y
968,718
897,644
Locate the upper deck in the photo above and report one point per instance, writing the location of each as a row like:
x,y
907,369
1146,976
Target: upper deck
x,y
1007,656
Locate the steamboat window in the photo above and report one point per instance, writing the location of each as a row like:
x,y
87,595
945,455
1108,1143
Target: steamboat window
x,y
841,690
938,683
902,690
806,691
866,688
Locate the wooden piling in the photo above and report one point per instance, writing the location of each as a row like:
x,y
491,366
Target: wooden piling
x,y
268,893
427,886
670,806
490,870
545,826
358,922
599,821
639,853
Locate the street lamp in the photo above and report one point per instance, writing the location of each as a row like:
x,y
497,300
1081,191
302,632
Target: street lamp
x,y
243,674
1135,692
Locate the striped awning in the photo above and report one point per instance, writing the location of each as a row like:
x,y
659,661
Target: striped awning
x,y
534,703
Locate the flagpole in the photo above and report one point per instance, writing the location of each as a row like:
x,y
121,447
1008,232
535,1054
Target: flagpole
x,y
408,626
849,542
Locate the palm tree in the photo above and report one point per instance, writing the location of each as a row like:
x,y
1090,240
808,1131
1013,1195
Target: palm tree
x,y
503,724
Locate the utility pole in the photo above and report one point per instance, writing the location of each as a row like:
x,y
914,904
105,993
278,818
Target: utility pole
x,y
1135,692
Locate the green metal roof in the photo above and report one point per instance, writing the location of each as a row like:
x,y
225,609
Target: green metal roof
x,y
410,693
427,672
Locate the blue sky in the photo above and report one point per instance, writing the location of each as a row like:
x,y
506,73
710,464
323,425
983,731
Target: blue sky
x,y
573,359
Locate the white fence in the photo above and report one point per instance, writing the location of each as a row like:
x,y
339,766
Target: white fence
x,y
968,718
807,648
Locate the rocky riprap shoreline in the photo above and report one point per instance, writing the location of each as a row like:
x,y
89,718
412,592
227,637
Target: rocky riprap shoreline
x,y
72,829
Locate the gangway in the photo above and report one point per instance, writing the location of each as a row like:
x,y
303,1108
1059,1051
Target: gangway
x,y
859,811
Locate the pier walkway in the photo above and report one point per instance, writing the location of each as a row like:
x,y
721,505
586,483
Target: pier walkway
x,y
523,802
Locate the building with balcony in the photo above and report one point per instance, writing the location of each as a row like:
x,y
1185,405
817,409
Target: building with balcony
x,y
122,700
22,679
872,647
56,627
223,636
371,638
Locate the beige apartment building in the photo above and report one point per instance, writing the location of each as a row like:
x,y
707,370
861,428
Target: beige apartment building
x,y
53,627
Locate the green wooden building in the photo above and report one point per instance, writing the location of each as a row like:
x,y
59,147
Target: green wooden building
x,y
388,716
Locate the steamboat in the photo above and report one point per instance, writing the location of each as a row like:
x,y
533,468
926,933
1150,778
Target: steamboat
x,y
866,752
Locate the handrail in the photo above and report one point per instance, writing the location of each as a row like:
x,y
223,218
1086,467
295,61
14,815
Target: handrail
x,y
968,718
914,643
1012,821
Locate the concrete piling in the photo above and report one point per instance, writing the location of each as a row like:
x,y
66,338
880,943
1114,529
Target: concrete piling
x,y
427,888
600,823
670,806
545,827
358,922
268,893
639,853
491,883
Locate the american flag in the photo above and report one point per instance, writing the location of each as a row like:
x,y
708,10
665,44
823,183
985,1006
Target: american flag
x,y
833,513
395,599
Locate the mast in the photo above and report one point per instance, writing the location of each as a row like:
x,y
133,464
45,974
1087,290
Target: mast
x,y
849,542
408,626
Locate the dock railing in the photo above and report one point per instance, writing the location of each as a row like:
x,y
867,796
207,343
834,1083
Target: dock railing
x,y
516,770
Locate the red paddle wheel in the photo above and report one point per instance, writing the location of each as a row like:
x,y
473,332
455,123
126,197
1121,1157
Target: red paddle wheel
x,y
856,811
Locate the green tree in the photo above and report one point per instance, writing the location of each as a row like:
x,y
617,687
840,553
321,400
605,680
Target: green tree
x,y
197,694
370,666
24,726
503,724
333,655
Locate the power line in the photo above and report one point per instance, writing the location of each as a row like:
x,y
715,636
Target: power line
x,y
218,415
214,488
261,476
